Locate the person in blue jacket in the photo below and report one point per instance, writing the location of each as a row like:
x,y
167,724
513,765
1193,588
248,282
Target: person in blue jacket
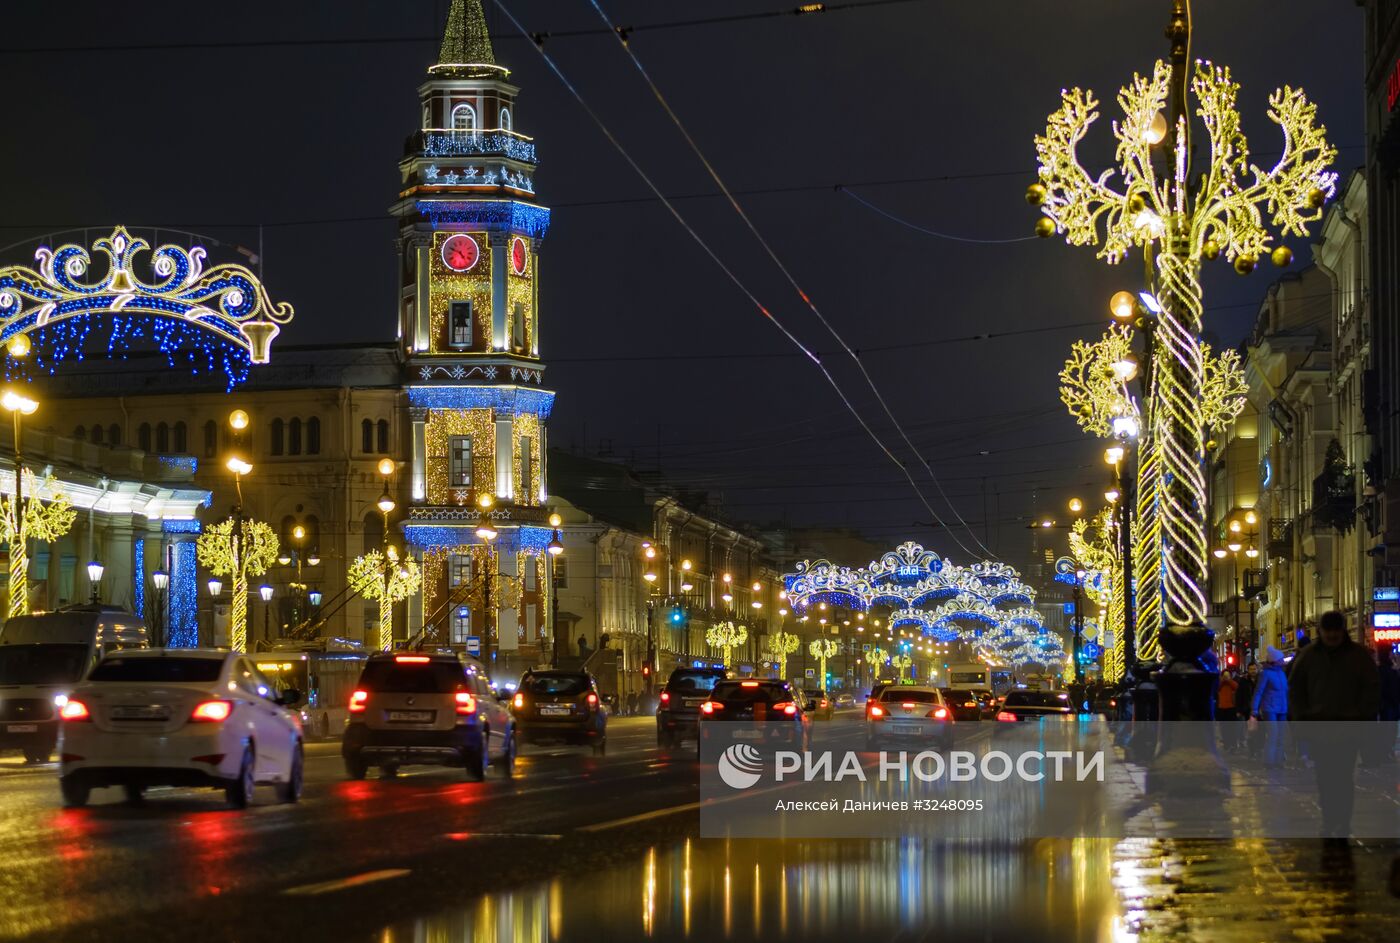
x,y
1270,705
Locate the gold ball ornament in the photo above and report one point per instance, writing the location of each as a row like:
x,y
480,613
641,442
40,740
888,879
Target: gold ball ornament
x,y
1282,256
1211,444
1045,227
1035,194
19,346
1244,264
1211,249
1136,204
1317,197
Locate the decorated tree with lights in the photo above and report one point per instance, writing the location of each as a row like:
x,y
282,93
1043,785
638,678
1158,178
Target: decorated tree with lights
x,y
781,644
822,649
875,657
385,577
726,636
1179,218
1095,544
902,663
31,518
238,548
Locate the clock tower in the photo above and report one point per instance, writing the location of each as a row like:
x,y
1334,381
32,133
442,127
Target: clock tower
x,y
469,239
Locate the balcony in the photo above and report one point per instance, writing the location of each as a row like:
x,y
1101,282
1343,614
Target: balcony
x,y
1334,501
448,142
1256,581
1280,545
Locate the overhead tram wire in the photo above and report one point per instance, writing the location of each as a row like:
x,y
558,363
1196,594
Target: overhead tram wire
x,y
787,273
799,11
816,361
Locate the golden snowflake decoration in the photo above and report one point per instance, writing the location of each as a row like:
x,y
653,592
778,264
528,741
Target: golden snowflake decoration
x,y
1224,389
1091,389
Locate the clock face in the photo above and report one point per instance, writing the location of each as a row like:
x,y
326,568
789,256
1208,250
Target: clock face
x,y
460,253
518,255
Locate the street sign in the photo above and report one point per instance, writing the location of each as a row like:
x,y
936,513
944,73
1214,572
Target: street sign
x,y
811,672
1385,594
1386,620
474,646
1387,635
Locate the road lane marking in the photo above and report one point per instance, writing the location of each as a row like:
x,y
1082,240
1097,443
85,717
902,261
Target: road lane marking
x,y
355,880
632,819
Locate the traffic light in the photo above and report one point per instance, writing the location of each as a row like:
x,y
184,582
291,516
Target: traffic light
x,y
646,669
677,615
1230,659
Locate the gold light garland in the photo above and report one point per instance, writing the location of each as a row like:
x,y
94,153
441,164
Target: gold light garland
x,y
389,581
42,520
251,555
441,425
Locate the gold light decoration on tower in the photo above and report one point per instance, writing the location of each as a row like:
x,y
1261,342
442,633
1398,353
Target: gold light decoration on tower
x,y
238,549
1177,219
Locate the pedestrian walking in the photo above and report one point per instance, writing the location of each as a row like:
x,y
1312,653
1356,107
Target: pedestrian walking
x,y
1334,680
1244,698
1226,716
633,699
1270,705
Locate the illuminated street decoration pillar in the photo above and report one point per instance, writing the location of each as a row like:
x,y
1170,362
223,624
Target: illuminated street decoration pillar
x,y
219,318
781,644
823,649
726,636
29,518
238,550
388,579
1155,210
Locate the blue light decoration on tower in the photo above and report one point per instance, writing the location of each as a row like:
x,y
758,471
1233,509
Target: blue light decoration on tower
x,y
469,239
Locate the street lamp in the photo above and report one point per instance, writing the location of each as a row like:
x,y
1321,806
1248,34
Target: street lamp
x,y
160,579
94,572
265,591
556,550
216,586
486,533
19,406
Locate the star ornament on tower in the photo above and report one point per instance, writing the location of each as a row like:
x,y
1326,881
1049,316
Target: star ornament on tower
x,y
1179,217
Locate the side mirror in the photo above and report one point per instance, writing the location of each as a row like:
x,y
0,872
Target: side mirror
x,y
288,697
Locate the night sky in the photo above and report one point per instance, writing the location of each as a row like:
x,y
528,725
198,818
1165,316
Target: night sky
x,y
654,352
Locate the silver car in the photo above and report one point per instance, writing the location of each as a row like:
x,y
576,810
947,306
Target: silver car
x,y
909,716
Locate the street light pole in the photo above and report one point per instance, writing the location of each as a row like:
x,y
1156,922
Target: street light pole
x,y
556,549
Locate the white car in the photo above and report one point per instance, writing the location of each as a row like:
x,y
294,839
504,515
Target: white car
x,y
179,717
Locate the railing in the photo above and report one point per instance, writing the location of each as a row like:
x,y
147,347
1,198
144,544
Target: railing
x,y
449,142
1280,543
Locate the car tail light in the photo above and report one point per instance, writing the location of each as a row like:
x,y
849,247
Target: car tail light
x,y
748,684
592,700
74,710
787,707
709,707
939,713
1005,715
357,701
665,697
213,712
907,705
518,701
466,704
823,702
412,659
876,711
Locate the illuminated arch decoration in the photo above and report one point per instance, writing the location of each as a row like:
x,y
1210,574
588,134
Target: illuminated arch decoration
x,y
821,581
907,563
221,315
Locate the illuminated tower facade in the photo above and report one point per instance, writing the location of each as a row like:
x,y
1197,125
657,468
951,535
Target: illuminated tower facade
x,y
469,239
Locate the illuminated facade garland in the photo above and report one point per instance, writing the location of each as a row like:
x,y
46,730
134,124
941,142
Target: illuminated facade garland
x,y
1179,228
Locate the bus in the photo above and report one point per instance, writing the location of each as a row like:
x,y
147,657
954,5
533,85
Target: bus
x,y
323,671
970,676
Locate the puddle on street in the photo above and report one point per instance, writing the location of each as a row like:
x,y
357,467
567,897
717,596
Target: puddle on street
x,y
712,889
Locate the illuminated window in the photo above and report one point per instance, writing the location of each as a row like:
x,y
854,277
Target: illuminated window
x,y
561,572
464,118
505,119
459,569
459,321
527,468
459,452
518,327
461,624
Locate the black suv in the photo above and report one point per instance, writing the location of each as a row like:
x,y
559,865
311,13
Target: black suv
x,y
679,707
561,706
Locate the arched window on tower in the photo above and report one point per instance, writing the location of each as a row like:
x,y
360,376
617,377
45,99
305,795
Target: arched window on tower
x,y
274,437
80,433
181,438
463,117
313,436
294,436
427,115
96,435
366,436
162,438
382,436
114,434
211,438
505,119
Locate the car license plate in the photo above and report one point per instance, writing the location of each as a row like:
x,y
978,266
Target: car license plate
x,y
141,712
556,709
694,701
411,717
22,728
909,729
748,734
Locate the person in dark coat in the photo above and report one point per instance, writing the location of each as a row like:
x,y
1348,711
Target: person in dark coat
x,y
1334,680
1270,705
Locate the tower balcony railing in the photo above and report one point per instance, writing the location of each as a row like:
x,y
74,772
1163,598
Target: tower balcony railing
x,y
457,142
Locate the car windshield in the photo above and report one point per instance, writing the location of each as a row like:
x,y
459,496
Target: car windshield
x,y
899,695
955,695
164,669
42,664
1036,699
738,692
686,682
554,684
430,677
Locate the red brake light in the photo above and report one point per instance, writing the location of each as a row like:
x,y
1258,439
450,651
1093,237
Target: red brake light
x,y
213,712
939,713
907,705
748,684
876,710
709,707
412,659
787,707
665,697
466,704
357,701
74,710
518,701
592,699
1005,715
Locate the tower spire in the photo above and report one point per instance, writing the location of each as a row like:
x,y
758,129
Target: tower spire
x,y
466,41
